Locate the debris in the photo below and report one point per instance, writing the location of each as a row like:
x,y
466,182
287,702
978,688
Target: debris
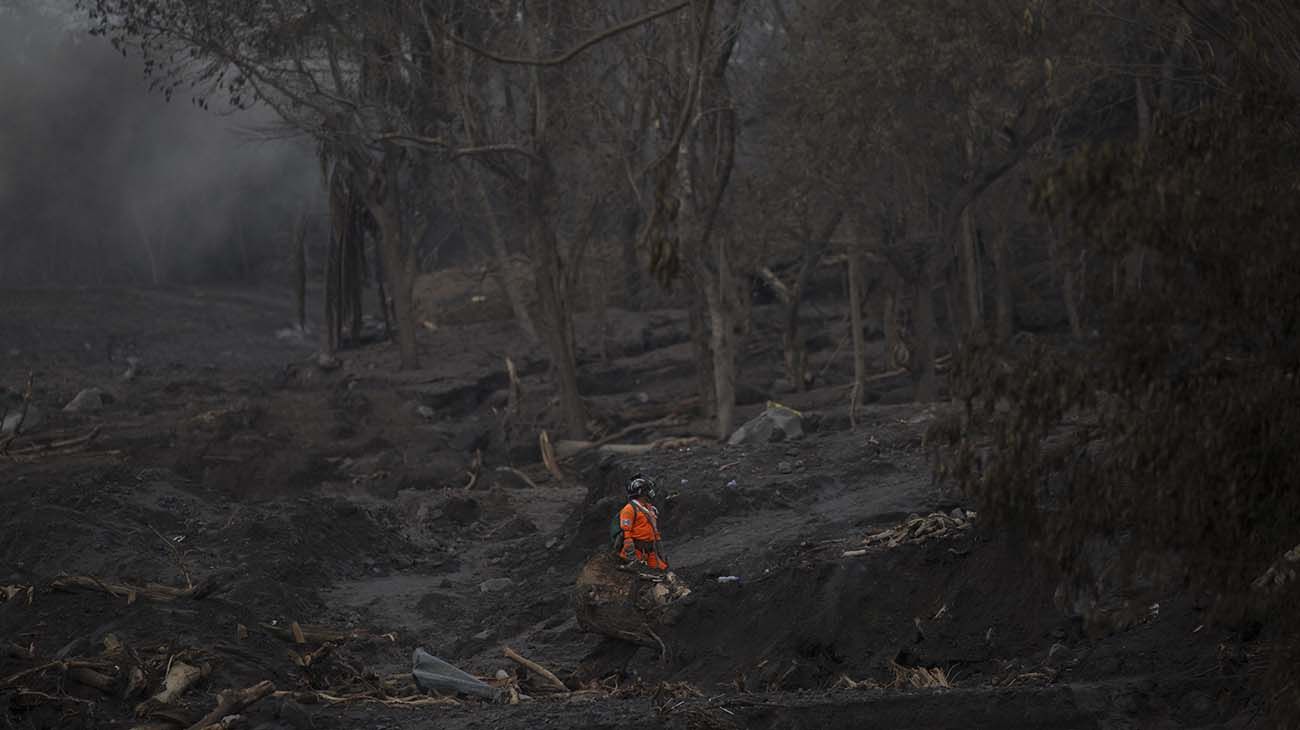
x,y
132,369
232,702
915,529
180,677
622,604
535,668
432,673
548,457
1281,572
777,423
918,677
87,401
151,591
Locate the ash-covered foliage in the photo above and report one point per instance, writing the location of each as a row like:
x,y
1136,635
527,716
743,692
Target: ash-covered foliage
x,y
1171,432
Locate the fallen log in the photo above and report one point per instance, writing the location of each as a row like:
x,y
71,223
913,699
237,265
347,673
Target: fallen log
x,y
232,702
17,651
63,666
62,445
92,678
566,449
150,591
669,420
535,668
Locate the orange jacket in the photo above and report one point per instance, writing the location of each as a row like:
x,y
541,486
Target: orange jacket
x,y
640,524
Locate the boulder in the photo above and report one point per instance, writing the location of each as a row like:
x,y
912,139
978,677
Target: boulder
x,y
777,423
89,400
16,422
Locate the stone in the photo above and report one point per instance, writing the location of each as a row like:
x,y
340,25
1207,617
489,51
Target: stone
x,y
483,635
294,715
89,400
784,467
502,675
425,412
1058,654
34,419
494,585
777,423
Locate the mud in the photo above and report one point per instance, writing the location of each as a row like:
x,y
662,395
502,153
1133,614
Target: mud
x,y
328,498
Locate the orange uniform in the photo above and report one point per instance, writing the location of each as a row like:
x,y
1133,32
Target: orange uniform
x,y
640,525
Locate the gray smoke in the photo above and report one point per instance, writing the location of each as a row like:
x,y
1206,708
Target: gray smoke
x,y
103,181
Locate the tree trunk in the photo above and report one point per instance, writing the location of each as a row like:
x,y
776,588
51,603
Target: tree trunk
x,y
1072,303
723,344
399,283
796,354
970,272
701,350
859,339
513,293
300,270
557,316
1005,304
922,359
330,324
631,264
889,322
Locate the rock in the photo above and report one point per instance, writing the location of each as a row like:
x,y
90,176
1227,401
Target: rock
x,y
293,714
31,422
1058,654
87,401
462,510
784,467
483,635
959,514
132,369
425,412
777,423
502,675
327,362
493,585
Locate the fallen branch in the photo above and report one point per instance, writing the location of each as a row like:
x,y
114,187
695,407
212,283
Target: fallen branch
x,y
474,468
60,446
521,475
151,591
548,457
535,668
566,448
312,634
176,553
670,420
17,651
63,666
232,702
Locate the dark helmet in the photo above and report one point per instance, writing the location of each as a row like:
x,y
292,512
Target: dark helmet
x,y
641,485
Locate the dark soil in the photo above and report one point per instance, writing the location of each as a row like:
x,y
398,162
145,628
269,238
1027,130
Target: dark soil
x,y
332,498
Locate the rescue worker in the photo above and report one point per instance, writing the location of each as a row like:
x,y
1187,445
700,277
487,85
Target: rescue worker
x,y
639,521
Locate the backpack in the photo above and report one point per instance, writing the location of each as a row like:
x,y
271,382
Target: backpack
x,y
616,535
